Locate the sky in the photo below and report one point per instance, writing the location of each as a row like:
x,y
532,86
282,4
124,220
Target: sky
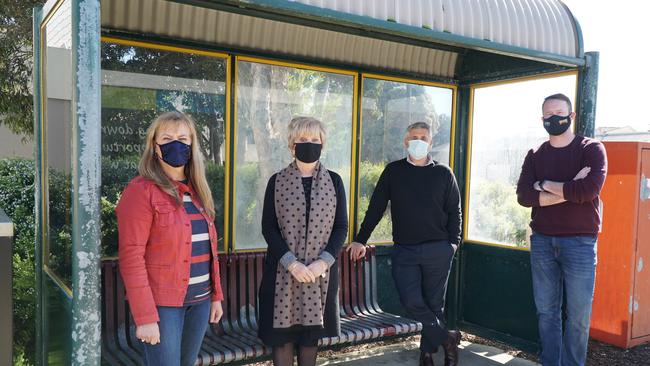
x,y
618,30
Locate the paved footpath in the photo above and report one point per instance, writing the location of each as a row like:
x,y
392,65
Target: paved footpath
x,y
407,353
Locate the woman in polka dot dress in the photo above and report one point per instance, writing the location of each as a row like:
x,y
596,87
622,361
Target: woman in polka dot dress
x,y
304,223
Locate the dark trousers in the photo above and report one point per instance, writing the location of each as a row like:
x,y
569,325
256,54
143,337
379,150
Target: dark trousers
x,y
421,273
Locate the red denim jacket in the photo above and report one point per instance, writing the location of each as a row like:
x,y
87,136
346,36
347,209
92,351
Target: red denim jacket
x,y
155,246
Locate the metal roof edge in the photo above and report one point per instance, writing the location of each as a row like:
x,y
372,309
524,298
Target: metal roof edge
x,y
580,50
314,15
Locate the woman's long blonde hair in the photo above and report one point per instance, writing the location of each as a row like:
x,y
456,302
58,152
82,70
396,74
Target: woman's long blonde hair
x,y
150,168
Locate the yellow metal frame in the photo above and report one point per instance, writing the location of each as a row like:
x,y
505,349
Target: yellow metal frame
x,y
58,281
354,177
45,248
226,174
470,136
452,142
163,47
50,14
226,58
295,65
355,95
230,245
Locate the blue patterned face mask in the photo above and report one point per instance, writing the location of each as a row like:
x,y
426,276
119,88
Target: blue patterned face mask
x,y
418,149
175,153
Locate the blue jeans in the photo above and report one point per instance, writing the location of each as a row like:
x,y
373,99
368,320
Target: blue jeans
x,y
181,334
563,266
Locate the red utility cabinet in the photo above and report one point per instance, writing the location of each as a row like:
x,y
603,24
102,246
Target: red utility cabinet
x,y
621,310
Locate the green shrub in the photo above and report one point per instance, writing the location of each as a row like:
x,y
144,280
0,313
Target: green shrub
x,y
369,174
17,200
248,197
496,215
215,174
109,227
116,174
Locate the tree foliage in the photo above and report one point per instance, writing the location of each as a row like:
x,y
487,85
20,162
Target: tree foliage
x,y
17,200
16,65
495,214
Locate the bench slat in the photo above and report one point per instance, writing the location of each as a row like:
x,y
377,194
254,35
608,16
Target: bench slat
x,y
235,337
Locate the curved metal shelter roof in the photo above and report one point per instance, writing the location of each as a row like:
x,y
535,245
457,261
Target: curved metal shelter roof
x,y
542,25
428,37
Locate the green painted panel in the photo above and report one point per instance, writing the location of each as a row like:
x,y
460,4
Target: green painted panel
x,y
587,93
497,290
479,67
38,184
86,153
451,299
57,318
454,293
387,296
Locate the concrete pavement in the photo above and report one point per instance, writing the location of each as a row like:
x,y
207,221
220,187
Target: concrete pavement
x,y
407,353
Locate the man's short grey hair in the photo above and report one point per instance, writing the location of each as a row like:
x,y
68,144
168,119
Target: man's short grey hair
x,y
417,125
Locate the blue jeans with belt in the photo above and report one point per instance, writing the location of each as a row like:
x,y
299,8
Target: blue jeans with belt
x,y
563,266
181,334
421,272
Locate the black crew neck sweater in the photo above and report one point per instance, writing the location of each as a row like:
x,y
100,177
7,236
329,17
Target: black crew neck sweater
x,y
424,204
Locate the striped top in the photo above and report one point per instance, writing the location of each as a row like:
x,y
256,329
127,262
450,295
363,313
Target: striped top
x,y
199,288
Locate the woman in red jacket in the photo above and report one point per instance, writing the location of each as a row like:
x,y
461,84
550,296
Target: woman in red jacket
x,y
168,245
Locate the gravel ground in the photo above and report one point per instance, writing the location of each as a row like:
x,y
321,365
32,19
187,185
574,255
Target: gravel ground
x,y
599,354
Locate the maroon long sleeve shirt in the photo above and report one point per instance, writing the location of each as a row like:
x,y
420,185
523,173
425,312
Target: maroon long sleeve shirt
x,y
580,215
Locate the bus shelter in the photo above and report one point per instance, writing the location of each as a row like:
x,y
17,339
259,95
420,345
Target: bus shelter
x,y
242,69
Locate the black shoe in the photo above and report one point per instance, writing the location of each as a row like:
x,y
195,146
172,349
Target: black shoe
x,y
426,359
451,348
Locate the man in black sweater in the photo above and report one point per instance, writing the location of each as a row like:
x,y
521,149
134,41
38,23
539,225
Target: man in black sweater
x,y
425,210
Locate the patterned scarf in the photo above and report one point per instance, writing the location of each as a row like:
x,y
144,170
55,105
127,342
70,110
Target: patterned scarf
x,y
302,303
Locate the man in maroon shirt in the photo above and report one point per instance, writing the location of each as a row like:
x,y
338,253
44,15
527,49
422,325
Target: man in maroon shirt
x,y
561,180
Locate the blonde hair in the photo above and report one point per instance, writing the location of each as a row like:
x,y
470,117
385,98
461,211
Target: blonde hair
x,y
151,169
305,126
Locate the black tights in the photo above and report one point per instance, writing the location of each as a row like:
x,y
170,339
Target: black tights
x,y
283,355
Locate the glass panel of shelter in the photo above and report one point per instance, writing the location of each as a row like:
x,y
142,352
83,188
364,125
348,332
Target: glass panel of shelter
x,y
57,84
506,123
268,97
140,82
388,108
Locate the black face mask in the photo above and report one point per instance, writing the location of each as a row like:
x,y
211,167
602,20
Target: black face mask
x,y
556,125
308,152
